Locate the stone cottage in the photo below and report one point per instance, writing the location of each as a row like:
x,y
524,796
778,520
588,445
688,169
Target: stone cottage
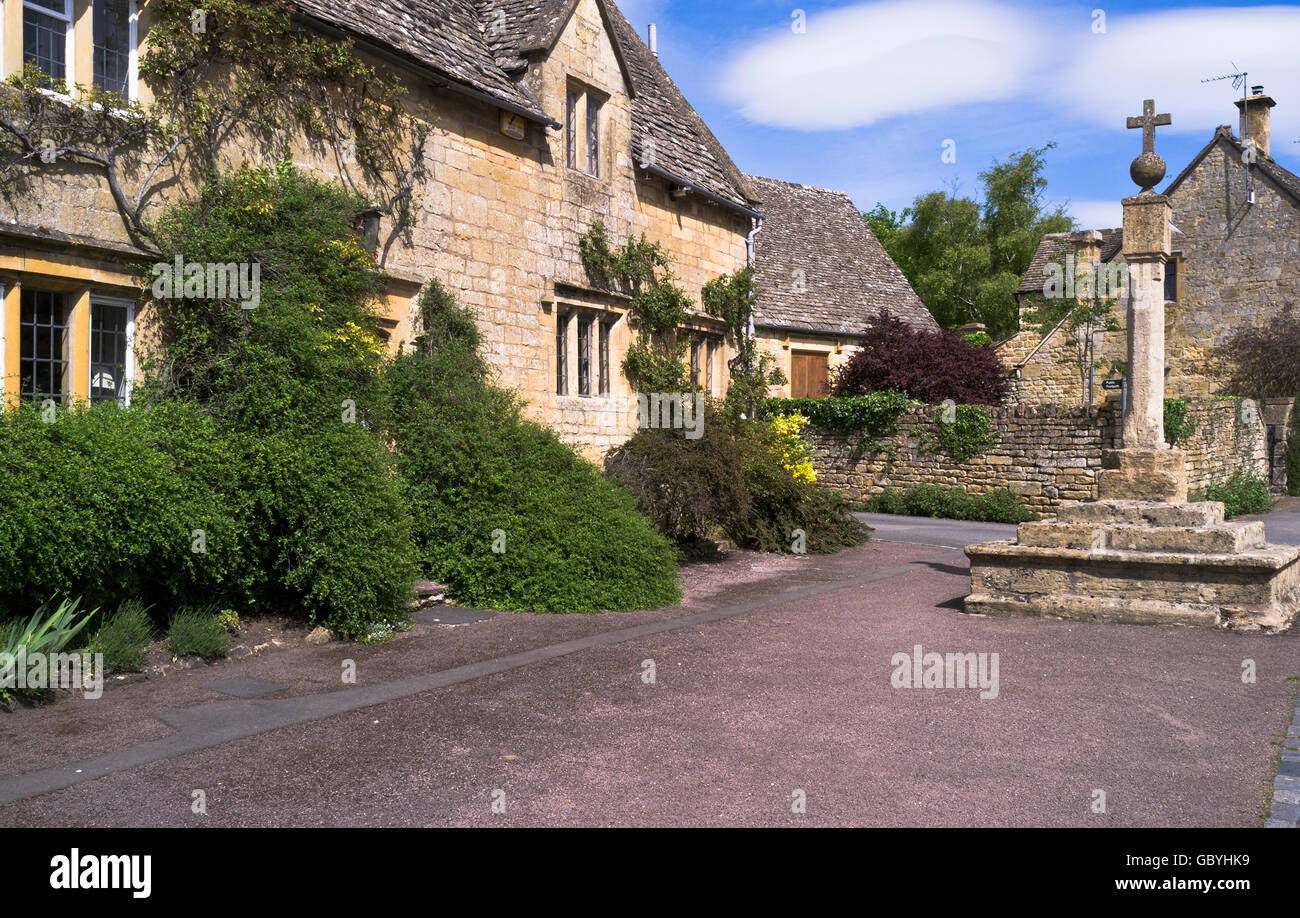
x,y
550,115
820,276
1236,262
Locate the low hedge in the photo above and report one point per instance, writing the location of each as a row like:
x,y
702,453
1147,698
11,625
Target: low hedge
x,y
874,415
998,506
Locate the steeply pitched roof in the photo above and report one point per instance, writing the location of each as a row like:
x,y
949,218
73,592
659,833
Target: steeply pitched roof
x,y
847,277
1282,177
446,36
683,146
1055,244
485,44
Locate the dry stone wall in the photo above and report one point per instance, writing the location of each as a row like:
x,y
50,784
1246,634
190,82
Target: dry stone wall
x,y
1046,454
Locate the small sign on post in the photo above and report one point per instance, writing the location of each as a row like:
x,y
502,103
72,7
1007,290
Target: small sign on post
x,y
1122,386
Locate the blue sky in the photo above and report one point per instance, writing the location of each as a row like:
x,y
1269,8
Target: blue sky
x,y
865,96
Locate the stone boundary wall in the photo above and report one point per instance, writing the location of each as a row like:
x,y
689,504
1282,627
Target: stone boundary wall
x,y
1045,453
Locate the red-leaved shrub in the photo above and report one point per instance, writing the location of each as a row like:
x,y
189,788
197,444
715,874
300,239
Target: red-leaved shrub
x,y
931,366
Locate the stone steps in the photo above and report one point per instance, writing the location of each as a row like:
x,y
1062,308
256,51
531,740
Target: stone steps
x,y
1223,538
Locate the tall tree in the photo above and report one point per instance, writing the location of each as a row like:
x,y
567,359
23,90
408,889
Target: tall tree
x,y
965,258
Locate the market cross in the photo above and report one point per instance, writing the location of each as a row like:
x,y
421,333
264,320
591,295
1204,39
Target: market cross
x,y
1148,121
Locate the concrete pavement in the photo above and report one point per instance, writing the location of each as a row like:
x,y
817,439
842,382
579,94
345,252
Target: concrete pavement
x,y
765,694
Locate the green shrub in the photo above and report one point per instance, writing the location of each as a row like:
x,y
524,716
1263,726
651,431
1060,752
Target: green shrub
x,y
997,506
109,503
229,621
970,434
196,632
123,637
1179,424
874,415
731,482
887,501
504,512
1242,494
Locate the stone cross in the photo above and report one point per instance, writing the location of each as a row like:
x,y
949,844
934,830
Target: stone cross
x,y
1146,468
1148,121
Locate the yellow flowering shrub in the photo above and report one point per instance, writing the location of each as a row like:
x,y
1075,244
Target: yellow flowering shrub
x,y
791,447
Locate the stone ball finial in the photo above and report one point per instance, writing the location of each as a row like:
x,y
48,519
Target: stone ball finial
x,y
1147,170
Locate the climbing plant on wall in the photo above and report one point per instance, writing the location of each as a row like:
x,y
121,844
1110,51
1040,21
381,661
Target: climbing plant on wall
x,y
231,81
642,270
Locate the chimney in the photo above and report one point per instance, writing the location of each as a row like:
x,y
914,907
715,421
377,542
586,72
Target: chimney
x,y
654,39
1254,117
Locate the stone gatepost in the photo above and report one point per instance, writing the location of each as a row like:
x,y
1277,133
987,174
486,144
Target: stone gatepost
x,y
1141,554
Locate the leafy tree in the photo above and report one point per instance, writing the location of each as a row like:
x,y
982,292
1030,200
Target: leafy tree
x,y
965,258
928,365
883,223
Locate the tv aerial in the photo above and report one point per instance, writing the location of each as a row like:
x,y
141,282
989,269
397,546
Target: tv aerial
x,y
1249,153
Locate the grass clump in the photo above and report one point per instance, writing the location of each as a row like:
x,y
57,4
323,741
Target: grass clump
x,y
123,637
196,632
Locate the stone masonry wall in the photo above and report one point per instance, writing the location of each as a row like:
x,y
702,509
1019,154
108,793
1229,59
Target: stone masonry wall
x,y
499,223
1045,453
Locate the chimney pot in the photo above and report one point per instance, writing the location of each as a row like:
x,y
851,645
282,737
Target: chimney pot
x,y
1255,117
654,39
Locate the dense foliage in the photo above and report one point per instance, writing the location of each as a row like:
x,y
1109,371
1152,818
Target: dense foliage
x,y
998,506
968,433
503,512
1179,424
1242,494
874,415
964,257
731,482
931,366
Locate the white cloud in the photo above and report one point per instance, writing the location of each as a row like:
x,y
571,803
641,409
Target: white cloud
x,y
1165,56
859,64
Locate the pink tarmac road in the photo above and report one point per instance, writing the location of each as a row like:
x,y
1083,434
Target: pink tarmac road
x,y
766,691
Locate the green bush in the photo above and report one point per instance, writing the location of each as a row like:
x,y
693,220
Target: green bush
x,y
1242,494
196,632
1179,424
123,637
970,434
875,414
730,482
997,506
105,502
503,512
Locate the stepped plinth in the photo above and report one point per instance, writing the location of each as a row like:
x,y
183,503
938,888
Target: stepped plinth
x,y
1140,562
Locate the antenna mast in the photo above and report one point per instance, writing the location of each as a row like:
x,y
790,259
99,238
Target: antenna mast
x,y
1248,158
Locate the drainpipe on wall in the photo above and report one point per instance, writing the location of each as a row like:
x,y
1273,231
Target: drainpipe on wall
x,y
749,260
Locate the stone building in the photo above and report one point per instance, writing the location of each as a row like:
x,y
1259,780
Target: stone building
x,y
1235,264
820,276
550,115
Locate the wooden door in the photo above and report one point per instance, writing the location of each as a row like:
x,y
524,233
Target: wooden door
x,y
809,374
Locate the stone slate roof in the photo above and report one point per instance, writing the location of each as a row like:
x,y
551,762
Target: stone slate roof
x,y
485,44
847,275
1054,244
1282,177
446,36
